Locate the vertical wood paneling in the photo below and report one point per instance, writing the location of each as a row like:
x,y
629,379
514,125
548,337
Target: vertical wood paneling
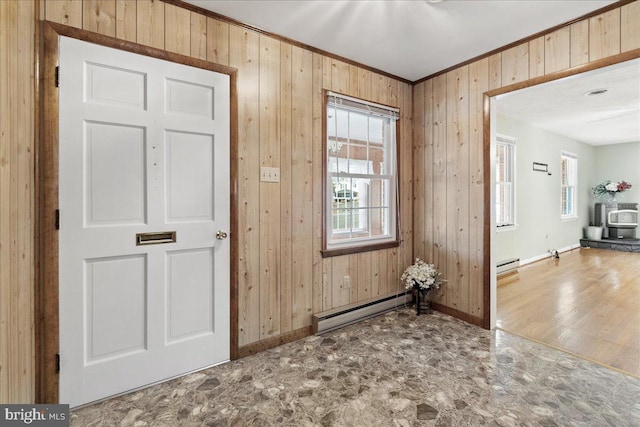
x,y
322,267
374,273
149,23
339,269
536,57
353,80
629,27
25,189
379,89
495,71
286,255
17,108
383,276
177,29
67,12
340,77
198,36
302,191
217,41
327,284
7,36
428,173
406,183
269,192
604,35
393,274
579,43
126,19
363,262
457,156
419,166
557,50
353,274
515,64
99,16
244,54
334,294
440,184
364,83
478,85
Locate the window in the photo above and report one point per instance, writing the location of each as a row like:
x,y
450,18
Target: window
x,y
360,176
569,177
505,181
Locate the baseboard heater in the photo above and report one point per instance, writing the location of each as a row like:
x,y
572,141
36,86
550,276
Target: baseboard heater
x,y
334,319
508,266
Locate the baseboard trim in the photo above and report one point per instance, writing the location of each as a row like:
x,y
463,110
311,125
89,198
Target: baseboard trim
x,y
474,320
268,343
547,255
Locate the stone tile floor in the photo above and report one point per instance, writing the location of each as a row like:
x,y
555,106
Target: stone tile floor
x,y
397,369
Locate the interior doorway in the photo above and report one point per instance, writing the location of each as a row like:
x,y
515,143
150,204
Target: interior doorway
x,y
585,197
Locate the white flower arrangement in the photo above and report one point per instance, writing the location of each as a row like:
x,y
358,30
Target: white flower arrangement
x,y
422,276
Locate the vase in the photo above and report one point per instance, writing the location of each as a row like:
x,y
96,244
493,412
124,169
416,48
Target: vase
x,y
610,198
593,233
423,305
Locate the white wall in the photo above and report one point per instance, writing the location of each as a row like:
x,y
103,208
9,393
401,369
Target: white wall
x,y
538,224
620,162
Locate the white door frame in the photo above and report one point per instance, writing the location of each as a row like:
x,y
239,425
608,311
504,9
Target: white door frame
x,y
47,322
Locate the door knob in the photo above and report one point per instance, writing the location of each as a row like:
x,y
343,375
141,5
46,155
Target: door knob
x,y
221,235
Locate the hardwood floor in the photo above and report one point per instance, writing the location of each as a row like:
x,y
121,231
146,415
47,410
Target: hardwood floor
x,y
586,303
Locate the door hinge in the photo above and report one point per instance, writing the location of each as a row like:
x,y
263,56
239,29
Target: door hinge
x,y
57,220
57,76
57,363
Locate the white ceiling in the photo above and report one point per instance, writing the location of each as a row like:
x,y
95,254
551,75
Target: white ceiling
x,y
562,106
407,38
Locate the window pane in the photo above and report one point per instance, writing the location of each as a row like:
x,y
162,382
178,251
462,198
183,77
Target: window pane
x,y
331,121
568,169
357,128
500,163
376,130
337,153
380,222
376,194
505,167
358,162
341,219
377,161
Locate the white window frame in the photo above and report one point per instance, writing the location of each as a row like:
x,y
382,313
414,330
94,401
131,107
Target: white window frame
x,y
572,184
359,238
509,220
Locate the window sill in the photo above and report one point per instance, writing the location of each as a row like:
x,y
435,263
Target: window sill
x,y
326,253
504,228
568,218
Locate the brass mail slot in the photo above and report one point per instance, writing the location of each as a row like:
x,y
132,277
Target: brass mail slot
x,y
155,238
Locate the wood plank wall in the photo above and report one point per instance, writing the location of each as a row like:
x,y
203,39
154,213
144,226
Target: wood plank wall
x,y
17,212
448,138
283,279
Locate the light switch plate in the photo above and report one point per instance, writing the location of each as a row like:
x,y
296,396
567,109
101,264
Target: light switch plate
x,y
269,174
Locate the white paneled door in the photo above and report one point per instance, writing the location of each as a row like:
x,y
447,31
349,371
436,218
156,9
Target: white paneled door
x,y
144,208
